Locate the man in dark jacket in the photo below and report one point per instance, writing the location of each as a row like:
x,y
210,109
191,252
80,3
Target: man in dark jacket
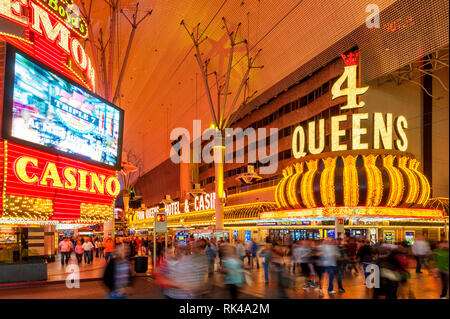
x,y
117,274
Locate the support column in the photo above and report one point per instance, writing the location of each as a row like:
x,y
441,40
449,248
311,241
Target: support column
x,y
218,167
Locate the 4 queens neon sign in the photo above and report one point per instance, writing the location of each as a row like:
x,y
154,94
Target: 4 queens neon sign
x,y
72,178
33,16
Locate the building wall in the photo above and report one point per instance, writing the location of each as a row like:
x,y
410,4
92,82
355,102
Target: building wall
x,y
404,99
160,181
440,186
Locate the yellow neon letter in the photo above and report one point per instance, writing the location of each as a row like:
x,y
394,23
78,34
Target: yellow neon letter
x,y
51,172
21,169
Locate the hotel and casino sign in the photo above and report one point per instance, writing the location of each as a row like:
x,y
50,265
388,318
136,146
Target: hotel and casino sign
x,y
54,35
41,186
383,125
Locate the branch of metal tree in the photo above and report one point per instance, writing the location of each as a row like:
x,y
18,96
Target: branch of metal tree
x,y
203,67
250,66
219,93
134,26
104,73
227,78
86,14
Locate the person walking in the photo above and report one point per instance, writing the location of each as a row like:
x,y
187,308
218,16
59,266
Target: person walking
x,y
240,251
440,259
87,248
234,272
79,252
65,248
420,250
117,276
266,259
365,256
278,264
211,255
254,251
352,248
303,257
97,247
108,246
341,263
328,256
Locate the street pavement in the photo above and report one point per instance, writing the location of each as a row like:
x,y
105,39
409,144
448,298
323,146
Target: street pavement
x,y
142,288
419,286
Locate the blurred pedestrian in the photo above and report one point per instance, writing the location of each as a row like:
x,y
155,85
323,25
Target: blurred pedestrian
x,y
97,245
341,263
328,256
421,250
254,251
266,259
79,252
184,275
240,251
87,248
302,253
65,248
117,276
279,269
108,248
391,268
234,272
365,256
352,249
440,259
210,253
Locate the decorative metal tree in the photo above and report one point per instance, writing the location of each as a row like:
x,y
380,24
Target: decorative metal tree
x,y
222,110
105,67
127,177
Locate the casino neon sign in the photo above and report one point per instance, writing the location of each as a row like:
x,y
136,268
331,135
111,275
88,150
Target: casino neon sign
x,y
69,178
65,35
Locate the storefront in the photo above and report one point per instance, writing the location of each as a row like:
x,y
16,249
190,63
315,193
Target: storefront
x,y
60,145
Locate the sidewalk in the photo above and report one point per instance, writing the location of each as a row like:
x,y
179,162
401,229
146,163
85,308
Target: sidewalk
x,y
57,272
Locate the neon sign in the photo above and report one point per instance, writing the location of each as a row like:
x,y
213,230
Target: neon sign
x,y
72,178
63,33
383,124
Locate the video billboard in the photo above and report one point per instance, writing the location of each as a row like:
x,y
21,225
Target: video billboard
x,y
55,113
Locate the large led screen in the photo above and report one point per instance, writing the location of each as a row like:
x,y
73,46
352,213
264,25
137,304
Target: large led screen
x,y
52,112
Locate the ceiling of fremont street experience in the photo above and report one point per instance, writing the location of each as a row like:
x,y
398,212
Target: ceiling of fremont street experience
x,y
162,87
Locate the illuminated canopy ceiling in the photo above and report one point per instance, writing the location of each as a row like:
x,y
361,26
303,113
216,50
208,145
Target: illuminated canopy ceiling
x,y
162,87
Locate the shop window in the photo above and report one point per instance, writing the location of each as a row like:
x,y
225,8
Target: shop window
x,y
311,97
325,87
303,101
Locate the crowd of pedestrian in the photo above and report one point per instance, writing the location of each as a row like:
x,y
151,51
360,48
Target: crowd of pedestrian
x,y
189,269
